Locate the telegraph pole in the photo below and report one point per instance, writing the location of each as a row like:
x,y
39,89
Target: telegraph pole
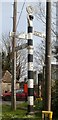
x,y
56,46
48,58
56,43
13,87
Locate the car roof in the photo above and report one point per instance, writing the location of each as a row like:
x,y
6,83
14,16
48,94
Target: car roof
x,y
19,90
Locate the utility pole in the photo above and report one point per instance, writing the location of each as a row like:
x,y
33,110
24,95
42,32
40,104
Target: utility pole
x,y
13,87
56,46
56,43
48,58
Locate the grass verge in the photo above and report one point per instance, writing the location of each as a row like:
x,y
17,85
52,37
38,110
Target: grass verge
x,y
19,114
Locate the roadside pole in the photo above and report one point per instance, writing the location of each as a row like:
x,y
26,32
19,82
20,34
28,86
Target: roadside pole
x,y
48,58
30,66
13,84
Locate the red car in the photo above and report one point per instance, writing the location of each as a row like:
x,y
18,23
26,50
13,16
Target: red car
x,y
20,95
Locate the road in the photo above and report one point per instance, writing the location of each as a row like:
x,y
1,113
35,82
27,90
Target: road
x,y
9,102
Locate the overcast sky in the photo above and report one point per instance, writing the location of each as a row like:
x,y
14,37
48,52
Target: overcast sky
x,y
7,21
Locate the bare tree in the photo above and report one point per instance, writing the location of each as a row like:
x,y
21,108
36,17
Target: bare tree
x,y
21,56
39,56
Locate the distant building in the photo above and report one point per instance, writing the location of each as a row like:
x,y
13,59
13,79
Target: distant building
x,y
6,82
